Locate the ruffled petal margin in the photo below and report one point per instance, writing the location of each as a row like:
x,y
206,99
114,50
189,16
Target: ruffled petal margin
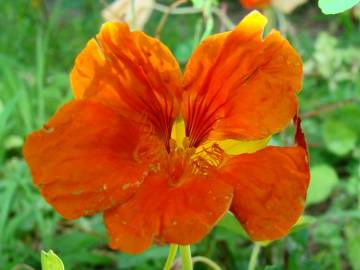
x,y
238,85
131,72
86,159
163,214
270,187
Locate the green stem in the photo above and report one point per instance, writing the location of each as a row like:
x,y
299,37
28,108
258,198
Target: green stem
x,y
171,257
185,253
254,257
207,261
223,17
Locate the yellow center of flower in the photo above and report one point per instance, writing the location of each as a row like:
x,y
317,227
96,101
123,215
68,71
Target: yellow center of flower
x,y
231,147
181,162
178,133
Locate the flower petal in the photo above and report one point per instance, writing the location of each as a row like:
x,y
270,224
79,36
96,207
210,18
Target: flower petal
x,y
236,147
269,189
255,3
131,72
158,212
240,86
86,159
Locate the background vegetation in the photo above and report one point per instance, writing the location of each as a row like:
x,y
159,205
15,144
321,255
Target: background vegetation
x,y
38,43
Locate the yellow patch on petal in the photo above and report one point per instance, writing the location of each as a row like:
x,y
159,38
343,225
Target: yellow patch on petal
x,y
178,131
231,147
236,147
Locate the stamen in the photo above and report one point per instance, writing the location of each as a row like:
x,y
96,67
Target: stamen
x,y
211,156
179,162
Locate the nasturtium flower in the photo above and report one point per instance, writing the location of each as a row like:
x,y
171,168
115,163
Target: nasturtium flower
x,y
255,3
164,155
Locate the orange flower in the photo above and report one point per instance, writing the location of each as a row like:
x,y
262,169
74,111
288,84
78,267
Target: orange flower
x,y
255,3
118,147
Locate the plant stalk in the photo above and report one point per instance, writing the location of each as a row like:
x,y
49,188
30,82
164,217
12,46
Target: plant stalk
x,y
254,257
171,257
206,261
185,253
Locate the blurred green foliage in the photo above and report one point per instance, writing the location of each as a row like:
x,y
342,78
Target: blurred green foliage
x,y
335,6
38,43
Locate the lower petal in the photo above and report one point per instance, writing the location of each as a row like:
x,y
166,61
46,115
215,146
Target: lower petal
x,y
164,214
269,189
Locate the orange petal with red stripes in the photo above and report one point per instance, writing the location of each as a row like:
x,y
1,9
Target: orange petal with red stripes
x,y
166,214
241,86
86,159
132,72
269,189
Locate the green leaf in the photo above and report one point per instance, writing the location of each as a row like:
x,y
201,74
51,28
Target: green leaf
x,y
352,234
303,222
323,180
198,3
339,138
336,6
126,261
50,261
353,247
230,222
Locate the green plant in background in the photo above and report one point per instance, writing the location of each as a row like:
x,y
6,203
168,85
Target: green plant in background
x,y
336,6
337,65
206,6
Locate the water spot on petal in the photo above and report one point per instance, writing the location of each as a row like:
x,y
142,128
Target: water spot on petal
x,y
125,186
48,129
292,62
77,192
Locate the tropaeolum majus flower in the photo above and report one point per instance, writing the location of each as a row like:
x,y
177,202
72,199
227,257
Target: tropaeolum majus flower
x,y
157,151
255,3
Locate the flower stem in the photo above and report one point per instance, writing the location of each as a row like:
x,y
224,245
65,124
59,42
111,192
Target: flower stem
x,y
171,257
207,261
185,253
254,257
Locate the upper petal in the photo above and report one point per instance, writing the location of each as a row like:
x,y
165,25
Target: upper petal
x,y
269,189
165,214
88,158
132,72
240,86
